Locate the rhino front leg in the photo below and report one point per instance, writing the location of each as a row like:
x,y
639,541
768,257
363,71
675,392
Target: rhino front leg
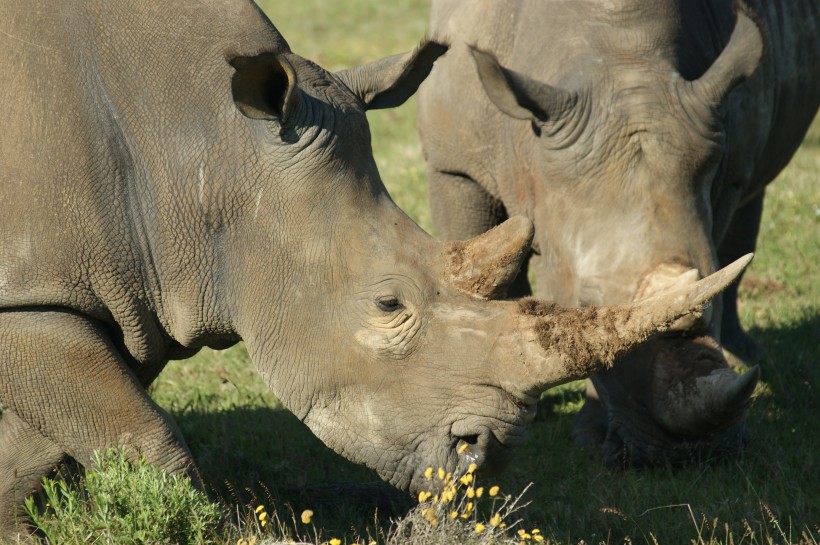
x,y
590,424
462,209
63,377
26,456
740,239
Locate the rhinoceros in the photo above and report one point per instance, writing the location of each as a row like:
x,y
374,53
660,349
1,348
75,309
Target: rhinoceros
x,y
638,136
172,177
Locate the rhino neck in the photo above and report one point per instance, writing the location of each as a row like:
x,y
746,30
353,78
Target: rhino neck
x,y
181,152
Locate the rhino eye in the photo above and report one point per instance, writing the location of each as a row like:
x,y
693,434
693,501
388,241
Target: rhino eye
x,y
389,304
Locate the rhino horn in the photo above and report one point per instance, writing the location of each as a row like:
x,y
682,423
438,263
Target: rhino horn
x,y
564,344
486,265
737,62
706,404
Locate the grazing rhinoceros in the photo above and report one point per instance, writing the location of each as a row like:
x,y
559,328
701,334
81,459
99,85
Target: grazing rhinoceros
x,y
638,136
173,177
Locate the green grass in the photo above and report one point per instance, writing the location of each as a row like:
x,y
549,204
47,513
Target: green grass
x,y
125,503
252,450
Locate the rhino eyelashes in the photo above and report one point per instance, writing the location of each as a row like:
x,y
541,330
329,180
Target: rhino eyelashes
x,y
389,304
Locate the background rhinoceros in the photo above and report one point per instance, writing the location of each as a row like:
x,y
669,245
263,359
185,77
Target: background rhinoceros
x,y
174,177
638,136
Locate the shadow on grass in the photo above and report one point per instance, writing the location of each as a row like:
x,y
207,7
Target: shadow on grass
x,y
790,362
265,455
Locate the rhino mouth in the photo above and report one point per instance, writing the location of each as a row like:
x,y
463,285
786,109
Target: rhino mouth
x,y
630,444
485,450
489,444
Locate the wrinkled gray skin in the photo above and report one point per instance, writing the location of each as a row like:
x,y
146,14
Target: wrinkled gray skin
x,y
173,177
638,136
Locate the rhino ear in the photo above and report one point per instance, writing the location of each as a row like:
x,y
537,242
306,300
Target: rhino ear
x,y
517,95
738,61
388,82
265,87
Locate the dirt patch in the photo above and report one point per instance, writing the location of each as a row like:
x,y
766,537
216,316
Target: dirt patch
x,y
684,359
586,336
757,287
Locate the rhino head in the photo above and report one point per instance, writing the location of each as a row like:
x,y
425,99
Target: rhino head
x,y
386,342
613,132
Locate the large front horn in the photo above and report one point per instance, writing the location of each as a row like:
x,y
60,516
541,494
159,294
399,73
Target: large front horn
x,y
486,265
737,62
564,344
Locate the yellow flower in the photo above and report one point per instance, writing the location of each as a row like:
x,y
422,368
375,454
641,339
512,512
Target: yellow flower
x,y
441,473
466,479
535,531
494,491
469,506
479,491
538,538
307,514
424,496
335,541
453,514
479,528
472,468
495,520
259,508
471,492
263,523
524,535
262,516
430,515
428,473
241,542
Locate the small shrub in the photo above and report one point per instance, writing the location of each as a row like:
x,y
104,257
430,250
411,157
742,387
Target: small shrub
x,y
124,502
455,511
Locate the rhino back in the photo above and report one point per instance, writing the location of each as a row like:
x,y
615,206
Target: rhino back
x,y
118,139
